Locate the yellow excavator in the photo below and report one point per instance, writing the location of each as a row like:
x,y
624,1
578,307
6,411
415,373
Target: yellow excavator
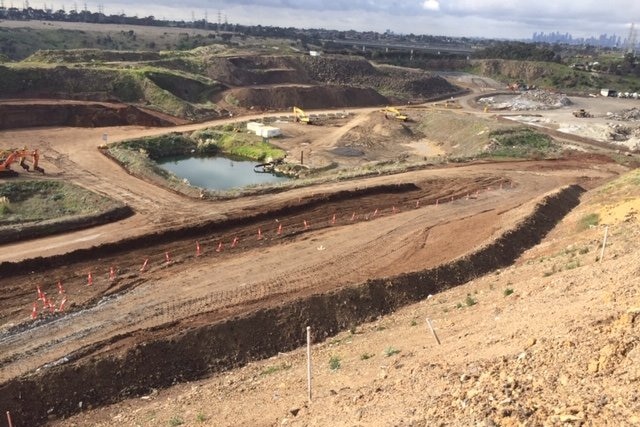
x,y
300,116
395,114
11,156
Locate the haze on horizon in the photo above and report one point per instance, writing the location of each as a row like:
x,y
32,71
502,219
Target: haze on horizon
x,y
516,19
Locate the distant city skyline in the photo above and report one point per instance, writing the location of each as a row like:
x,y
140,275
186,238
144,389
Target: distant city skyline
x,y
517,19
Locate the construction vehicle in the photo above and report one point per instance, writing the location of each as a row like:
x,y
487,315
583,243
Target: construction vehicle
x,y
582,113
12,156
300,116
395,114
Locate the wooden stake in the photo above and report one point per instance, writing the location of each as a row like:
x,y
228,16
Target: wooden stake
x,y
604,242
309,362
433,332
9,419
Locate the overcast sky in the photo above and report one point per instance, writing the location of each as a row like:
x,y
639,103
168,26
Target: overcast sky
x,y
482,18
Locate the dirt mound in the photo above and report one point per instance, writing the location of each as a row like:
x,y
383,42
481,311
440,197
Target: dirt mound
x,y
311,97
631,114
378,133
38,113
215,346
256,70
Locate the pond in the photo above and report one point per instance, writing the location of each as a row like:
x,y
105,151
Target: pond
x,y
218,173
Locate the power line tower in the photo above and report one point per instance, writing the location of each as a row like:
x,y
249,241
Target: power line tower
x,y
219,20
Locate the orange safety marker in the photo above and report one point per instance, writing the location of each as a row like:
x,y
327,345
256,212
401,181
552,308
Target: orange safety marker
x,y
375,213
89,279
112,274
353,216
167,257
306,225
62,303
144,264
235,242
259,234
40,294
60,287
333,220
219,248
34,310
279,229
198,251
417,203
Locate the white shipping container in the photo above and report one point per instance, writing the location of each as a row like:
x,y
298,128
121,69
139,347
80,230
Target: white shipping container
x,y
269,132
255,127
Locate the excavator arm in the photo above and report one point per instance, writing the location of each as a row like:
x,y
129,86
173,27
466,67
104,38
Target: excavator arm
x,y
23,155
301,116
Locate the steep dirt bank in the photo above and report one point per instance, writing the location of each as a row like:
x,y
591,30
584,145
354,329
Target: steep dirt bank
x,y
214,347
41,113
312,97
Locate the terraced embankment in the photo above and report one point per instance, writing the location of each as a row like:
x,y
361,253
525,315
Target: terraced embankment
x,y
130,364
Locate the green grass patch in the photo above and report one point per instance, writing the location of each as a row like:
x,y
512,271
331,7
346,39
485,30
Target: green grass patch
x,y
28,201
275,368
507,292
366,356
335,363
588,221
470,301
520,142
391,351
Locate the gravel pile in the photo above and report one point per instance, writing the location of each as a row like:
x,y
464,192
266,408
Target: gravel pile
x,y
632,114
530,100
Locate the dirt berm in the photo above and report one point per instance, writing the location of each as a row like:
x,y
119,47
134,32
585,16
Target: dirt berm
x,y
14,233
199,347
40,113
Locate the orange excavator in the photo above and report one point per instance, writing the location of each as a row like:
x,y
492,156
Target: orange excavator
x,y
12,156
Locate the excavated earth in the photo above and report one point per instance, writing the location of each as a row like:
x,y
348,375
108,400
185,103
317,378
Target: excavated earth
x,y
43,112
145,309
345,253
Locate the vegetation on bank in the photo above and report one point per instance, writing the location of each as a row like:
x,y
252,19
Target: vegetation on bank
x,y
41,200
519,142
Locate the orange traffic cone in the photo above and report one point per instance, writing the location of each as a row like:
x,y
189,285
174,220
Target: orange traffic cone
x,y
219,248
60,287
112,274
279,229
198,251
34,310
235,242
259,233
144,264
89,279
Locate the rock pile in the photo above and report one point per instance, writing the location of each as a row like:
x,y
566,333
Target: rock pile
x,y
631,114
